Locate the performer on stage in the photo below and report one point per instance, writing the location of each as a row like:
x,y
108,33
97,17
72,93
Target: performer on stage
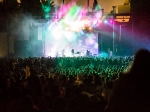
x,y
72,52
63,53
57,54
87,53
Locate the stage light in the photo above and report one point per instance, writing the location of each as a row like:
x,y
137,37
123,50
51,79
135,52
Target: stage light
x,y
57,34
56,17
75,26
105,21
111,21
100,21
90,28
82,14
70,36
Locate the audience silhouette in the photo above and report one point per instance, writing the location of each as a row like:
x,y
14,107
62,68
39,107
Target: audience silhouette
x,y
63,84
131,92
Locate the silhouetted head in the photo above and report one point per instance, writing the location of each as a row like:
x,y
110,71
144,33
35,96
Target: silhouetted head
x,y
141,62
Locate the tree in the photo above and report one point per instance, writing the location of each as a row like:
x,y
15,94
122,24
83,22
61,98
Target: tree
x,y
28,6
13,6
48,8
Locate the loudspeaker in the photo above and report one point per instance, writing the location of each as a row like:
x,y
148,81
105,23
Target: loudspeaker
x,y
26,48
37,48
22,48
33,33
105,42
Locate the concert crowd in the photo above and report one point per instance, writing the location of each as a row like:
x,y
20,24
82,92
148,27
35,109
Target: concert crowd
x,y
75,84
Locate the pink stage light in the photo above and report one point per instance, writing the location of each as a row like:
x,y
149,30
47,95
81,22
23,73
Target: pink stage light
x,y
56,17
111,21
82,14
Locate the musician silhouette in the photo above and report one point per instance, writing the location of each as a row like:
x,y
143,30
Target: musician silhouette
x,y
72,52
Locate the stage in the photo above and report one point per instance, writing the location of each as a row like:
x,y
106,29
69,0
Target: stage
x,y
61,42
